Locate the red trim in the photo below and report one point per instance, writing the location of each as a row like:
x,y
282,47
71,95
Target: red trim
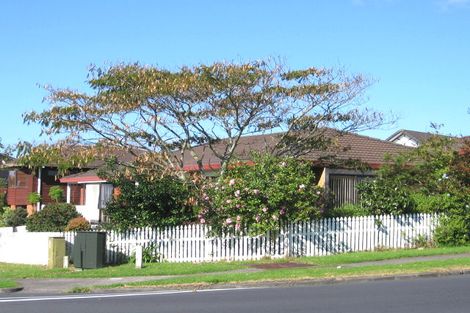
x,y
187,168
212,167
205,167
82,179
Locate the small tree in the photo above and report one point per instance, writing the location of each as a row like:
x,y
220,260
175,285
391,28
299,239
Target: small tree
x,y
34,198
56,193
431,178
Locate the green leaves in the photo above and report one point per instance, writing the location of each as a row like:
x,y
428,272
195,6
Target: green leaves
x,y
158,111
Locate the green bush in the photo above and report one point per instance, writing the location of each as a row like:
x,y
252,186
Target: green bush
x,y
453,231
347,210
53,217
3,200
437,203
16,217
256,198
381,196
154,203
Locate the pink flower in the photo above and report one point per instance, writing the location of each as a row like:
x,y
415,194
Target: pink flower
x,y
238,218
265,209
282,211
238,205
237,193
202,221
256,191
228,221
237,226
257,218
231,182
228,201
206,198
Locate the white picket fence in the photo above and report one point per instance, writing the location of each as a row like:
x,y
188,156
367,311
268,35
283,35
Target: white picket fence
x,y
192,243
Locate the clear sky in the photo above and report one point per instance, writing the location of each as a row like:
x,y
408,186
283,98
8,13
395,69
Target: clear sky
x,y
418,52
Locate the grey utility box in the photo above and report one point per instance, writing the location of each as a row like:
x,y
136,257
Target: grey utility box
x,y
89,249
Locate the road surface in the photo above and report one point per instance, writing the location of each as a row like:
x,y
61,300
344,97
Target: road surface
x,y
427,295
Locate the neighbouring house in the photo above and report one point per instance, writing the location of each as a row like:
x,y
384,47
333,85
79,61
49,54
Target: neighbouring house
x,y
413,138
89,193
335,169
18,182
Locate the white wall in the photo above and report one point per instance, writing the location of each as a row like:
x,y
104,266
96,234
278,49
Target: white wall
x,y
90,210
23,247
406,141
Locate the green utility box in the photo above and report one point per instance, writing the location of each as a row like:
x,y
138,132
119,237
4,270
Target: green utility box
x,y
56,252
89,249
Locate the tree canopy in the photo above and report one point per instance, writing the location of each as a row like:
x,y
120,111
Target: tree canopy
x,y
159,115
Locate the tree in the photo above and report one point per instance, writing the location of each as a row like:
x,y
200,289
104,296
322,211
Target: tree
x,y
433,178
160,115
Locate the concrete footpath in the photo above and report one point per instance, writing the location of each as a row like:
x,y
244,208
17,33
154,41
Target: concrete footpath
x,y
65,285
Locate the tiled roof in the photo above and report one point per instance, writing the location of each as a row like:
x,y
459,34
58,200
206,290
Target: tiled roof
x,y
346,146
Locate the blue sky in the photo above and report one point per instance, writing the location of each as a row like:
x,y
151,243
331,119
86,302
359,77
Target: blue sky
x,y
418,52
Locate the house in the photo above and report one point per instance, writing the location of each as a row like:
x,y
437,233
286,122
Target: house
x,y
413,138
18,182
89,193
335,169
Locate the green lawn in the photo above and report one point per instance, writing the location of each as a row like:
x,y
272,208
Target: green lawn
x,y
292,274
16,271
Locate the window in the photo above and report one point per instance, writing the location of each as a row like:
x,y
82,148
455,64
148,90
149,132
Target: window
x,y
343,185
78,193
106,193
12,179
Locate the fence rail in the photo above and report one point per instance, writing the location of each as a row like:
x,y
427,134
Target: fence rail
x,y
192,243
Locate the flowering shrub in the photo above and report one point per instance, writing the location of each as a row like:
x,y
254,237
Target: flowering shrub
x,y
256,198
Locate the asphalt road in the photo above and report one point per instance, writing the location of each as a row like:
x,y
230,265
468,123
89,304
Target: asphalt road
x,y
440,295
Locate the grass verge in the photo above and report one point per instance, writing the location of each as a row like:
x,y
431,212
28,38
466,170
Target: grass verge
x,y
17,271
296,274
7,283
